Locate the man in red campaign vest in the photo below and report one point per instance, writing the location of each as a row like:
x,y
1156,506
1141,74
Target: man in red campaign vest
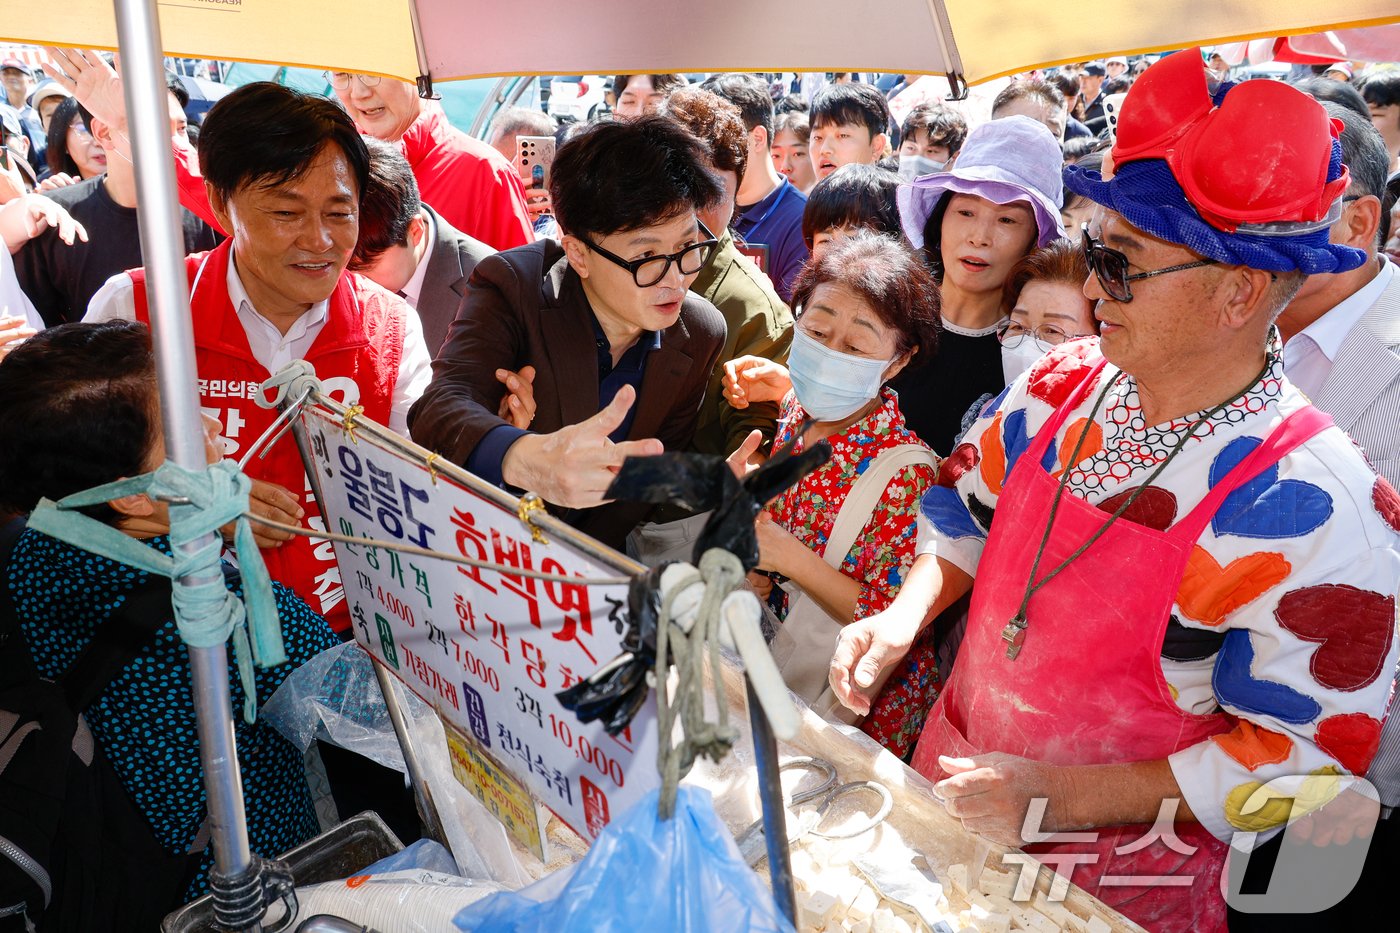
x,y
284,172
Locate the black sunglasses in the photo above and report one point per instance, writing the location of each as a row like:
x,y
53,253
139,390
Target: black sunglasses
x,y
647,272
1111,267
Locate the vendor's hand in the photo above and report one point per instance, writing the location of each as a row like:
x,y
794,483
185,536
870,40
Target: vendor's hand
x,y
760,583
13,332
778,550
866,651
1352,814
991,793
746,458
269,500
518,404
574,466
751,379
88,77
24,218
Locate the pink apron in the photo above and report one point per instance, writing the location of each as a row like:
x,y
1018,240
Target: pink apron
x,y
1087,687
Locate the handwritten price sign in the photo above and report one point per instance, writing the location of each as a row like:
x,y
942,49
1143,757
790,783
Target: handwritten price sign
x,y
489,649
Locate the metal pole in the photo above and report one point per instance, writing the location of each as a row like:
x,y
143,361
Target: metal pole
x,y
162,249
770,796
427,810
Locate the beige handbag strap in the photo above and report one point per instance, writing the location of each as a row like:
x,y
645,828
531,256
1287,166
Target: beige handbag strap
x,y
865,495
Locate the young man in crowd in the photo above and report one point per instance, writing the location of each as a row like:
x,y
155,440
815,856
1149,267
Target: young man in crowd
x,y
850,123
61,279
1068,84
1090,84
1039,100
285,173
769,206
929,139
626,195
640,95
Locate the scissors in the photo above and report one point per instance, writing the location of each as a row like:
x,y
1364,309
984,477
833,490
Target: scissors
x,y
753,844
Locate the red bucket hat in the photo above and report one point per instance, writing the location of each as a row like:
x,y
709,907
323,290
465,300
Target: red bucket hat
x,y
1254,181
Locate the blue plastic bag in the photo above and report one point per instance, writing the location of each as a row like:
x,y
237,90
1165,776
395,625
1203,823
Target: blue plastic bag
x,y
682,875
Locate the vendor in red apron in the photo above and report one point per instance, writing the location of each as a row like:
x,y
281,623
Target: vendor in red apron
x,y
284,172
1185,576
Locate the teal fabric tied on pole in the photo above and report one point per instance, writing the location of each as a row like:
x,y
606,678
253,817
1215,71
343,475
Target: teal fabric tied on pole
x,y
206,613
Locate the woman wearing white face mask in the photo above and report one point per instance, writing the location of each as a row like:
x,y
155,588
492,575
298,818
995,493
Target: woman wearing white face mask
x,y
1045,305
842,538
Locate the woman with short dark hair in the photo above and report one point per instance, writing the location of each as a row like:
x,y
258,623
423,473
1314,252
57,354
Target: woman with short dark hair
x,y
81,410
841,540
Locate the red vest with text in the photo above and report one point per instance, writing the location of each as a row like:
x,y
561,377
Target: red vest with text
x,y
362,341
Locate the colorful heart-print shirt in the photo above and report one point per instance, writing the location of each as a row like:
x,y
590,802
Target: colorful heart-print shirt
x,y
1285,618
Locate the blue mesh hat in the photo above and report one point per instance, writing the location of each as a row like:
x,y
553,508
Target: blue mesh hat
x,y
1148,196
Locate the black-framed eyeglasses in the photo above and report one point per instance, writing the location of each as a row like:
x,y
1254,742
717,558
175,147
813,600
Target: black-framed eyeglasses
x,y
1111,267
340,80
1046,336
652,269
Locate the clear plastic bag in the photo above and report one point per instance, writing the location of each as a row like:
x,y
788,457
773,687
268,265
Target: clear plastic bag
x,y
682,875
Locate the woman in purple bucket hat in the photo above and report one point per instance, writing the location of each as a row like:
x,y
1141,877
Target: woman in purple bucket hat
x,y
1000,201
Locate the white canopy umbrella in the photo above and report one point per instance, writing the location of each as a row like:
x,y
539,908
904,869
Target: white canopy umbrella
x,y
436,40
975,40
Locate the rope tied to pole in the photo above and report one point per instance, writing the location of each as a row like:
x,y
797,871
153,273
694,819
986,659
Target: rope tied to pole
x,y
720,572
206,613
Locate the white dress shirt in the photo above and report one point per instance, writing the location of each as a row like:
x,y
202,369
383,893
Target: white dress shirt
x,y
1308,355
414,286
115,300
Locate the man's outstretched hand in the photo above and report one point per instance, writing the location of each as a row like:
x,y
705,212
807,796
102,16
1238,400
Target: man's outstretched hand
x,y
574,466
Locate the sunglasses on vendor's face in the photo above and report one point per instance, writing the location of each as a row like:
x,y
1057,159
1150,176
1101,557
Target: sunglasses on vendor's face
x,y
1110,267
649,270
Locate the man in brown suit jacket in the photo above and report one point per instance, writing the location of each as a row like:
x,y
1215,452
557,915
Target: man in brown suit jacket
x,y
603,319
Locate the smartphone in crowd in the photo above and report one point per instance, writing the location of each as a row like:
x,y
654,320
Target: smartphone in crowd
x,y
533,157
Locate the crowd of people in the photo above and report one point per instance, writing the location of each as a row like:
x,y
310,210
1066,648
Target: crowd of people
x,y
1111,382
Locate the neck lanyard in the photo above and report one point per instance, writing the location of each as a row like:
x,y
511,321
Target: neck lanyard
x,y
782,193
1014,634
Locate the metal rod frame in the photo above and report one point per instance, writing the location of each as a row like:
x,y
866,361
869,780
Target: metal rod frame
x,y
770,797
162,251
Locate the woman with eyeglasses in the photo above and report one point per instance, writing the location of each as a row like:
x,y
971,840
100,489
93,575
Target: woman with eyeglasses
x,y
598,331
1045,305
72,150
